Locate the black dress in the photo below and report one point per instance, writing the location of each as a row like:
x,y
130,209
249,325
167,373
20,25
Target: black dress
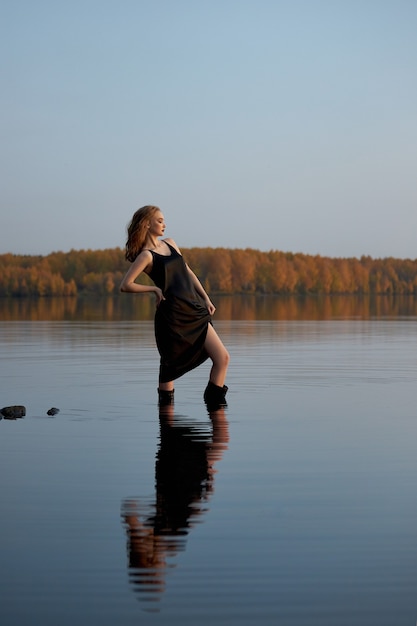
x,y
181,320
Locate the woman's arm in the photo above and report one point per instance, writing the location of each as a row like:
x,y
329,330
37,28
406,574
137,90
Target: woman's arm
x,y
139,265
200,290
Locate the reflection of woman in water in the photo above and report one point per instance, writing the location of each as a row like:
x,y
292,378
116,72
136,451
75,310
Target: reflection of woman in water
x,y
184,334
184,473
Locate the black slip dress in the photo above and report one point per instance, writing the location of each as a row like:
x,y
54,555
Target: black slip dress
x,y
181,320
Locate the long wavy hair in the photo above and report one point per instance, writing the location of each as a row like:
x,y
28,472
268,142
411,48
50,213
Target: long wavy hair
x,y
138,230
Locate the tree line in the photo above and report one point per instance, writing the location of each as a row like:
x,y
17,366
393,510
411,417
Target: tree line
x,y
221,270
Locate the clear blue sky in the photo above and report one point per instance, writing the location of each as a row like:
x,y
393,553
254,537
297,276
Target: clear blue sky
x,y
271,124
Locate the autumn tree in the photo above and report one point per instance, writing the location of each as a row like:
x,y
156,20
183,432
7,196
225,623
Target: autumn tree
x,y
219,269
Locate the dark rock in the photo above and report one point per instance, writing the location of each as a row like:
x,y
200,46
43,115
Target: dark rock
x,y
13,412
52,411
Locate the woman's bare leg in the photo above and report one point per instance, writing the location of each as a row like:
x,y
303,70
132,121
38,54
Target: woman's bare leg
x,y
169,386
165,393
219,355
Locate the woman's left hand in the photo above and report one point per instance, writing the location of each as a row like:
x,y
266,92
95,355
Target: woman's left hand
x,y
210,306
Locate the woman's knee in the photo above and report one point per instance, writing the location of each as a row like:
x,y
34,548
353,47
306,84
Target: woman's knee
x,y
215,348
223,357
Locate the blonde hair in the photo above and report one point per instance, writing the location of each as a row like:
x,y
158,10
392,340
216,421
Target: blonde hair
x,y
137,231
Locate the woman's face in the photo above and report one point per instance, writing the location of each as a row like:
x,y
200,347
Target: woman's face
x,y
157,224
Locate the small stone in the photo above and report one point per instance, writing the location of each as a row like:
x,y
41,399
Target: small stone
x,y
52,411
13,412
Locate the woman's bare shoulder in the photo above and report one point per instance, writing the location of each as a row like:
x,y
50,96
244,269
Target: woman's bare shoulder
x,y
143,259
173,244
145,253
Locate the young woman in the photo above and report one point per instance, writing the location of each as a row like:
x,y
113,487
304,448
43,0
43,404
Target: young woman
x,y
184,333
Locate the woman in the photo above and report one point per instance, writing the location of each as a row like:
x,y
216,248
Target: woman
x,y
184,333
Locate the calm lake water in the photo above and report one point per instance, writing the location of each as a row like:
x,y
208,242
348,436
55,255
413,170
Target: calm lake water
x,y
295,506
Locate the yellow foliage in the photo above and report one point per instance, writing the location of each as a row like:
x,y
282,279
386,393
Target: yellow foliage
x,y
221,270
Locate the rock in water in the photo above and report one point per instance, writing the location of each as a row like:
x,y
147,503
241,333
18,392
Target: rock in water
x,y
52,411
13,412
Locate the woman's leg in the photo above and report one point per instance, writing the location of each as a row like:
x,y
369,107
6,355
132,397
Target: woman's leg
x,y
166,393
219,356
169,386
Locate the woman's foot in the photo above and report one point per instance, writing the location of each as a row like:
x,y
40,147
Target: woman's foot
x,y
215,396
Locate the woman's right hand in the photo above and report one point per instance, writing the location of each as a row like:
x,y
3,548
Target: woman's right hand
x,y
159,296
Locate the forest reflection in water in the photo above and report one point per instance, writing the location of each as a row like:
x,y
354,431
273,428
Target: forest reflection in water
x,y
229,307
157,529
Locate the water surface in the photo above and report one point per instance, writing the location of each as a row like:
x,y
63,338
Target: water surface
x,y
294,506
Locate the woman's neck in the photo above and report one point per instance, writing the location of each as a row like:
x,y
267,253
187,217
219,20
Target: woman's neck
x,y
152,242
